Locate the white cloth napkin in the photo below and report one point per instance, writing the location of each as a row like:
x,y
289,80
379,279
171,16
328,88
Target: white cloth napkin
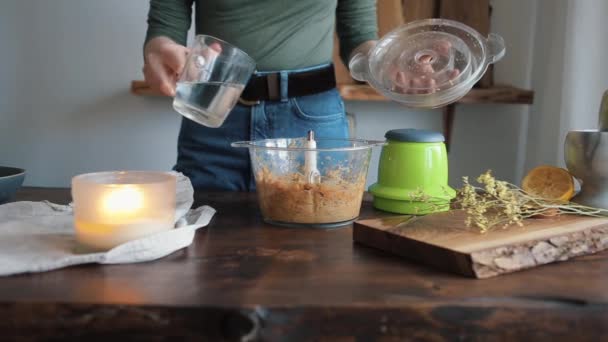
x,y
39,236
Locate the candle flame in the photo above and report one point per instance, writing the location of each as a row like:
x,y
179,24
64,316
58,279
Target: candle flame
x,y
123,200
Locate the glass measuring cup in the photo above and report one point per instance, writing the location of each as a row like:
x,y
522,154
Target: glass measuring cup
x,y
212,81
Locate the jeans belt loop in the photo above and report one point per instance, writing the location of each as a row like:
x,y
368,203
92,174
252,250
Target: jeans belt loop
x,y
284,86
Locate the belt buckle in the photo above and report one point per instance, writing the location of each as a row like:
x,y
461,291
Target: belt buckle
x,y
248,103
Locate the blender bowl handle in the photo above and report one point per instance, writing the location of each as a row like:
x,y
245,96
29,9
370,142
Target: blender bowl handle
x,y
358,67
239,144
496,48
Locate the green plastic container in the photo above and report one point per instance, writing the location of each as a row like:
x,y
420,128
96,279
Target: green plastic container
x,y
413,174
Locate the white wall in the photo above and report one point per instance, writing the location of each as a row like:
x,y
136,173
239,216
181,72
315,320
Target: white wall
x,y
11,62
65,106
72,111
569,75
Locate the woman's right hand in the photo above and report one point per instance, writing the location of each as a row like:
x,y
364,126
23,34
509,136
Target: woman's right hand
x,y
164,61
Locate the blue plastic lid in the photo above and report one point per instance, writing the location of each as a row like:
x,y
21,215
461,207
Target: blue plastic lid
x,y
414,135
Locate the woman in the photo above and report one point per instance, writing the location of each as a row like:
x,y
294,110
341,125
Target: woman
x,y
293,90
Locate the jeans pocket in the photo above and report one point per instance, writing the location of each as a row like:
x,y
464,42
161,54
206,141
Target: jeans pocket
x,y
322,107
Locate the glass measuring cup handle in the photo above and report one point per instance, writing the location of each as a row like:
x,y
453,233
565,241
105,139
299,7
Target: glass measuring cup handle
x,y
358,66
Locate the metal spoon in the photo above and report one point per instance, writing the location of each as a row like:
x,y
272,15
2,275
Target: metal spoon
x,y
310,160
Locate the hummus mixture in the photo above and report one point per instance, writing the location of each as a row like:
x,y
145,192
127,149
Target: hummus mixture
x,y
291,198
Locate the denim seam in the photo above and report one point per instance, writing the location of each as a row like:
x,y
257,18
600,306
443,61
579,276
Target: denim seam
x,y
304,115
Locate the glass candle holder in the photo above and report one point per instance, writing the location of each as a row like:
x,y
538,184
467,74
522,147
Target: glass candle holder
x,y
111,208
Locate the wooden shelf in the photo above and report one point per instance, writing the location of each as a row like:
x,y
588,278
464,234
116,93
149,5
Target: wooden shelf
x,y
496,94
362,92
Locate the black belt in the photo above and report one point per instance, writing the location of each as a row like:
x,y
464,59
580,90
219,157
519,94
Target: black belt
x,y
267,87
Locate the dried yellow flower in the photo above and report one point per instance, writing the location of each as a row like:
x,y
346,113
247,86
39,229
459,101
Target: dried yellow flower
x,y
500,203
496,203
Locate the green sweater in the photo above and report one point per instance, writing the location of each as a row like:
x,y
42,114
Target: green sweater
x,y
278,34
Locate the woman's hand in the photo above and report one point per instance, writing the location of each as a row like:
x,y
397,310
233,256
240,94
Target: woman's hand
x,y
164,60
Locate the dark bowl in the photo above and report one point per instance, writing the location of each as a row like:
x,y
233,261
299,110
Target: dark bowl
x,y
11,179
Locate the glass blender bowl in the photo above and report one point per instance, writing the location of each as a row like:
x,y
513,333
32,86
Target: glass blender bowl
x,y
305,184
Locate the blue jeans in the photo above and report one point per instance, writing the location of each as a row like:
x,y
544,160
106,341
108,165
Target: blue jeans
x,y
205,154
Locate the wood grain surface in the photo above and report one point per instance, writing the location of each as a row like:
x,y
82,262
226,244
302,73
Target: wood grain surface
x,y
443,240
476,14
245,280
420,9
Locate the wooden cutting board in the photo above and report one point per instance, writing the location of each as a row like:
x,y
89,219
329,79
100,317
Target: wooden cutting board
x,y
442,240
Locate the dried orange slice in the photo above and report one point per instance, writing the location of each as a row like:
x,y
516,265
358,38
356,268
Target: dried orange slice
x,y
549,182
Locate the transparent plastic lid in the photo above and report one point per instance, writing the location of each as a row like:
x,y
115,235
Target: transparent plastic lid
x,y
428,63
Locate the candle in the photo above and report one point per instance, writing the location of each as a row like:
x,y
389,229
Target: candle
x,y
111,208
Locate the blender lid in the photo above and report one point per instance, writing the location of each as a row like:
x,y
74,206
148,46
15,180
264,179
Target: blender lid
x,y
414,135
429,63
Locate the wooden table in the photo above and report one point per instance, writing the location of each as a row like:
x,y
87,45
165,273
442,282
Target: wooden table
x,y
245,280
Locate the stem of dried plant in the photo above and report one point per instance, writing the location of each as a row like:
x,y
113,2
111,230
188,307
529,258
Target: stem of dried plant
x,y
495,203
